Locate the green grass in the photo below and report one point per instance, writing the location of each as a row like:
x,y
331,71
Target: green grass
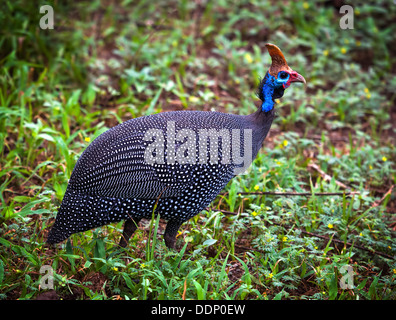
x,y
106,62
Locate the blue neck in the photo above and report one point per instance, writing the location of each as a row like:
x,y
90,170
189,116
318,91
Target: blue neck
x,y
270,89
268,102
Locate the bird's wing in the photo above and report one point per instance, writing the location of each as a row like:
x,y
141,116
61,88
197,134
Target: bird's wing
x,y
115,165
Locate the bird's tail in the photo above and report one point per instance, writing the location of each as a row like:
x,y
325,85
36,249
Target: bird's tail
x,y
80,212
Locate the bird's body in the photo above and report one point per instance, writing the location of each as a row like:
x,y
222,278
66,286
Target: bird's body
x,y
175,163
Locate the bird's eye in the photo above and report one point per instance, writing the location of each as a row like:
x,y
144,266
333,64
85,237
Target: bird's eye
x,y
283,75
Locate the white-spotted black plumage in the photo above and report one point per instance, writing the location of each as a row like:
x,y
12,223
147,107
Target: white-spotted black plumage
x,y
112,180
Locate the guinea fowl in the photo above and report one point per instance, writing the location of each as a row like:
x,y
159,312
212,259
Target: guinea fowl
x,y
174,162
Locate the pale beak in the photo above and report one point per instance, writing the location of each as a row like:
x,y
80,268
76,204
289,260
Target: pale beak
x,y
296,77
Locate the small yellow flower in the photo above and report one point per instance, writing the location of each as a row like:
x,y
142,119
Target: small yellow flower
x,y
326,53
370,167
284,239
270,275
260,169
285,143
384,159
305,5
277,101
143,265
343,50
316,248
87,139
368,95
394,271
366,90
115,269
360,234
256,187
254,213
330,226
193,99
248,57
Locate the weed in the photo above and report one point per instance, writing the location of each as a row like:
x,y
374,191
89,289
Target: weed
x,y
104,64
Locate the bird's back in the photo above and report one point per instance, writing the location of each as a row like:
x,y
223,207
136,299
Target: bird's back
x,y
117,163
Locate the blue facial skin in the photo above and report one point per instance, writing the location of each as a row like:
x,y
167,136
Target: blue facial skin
x,y
270,85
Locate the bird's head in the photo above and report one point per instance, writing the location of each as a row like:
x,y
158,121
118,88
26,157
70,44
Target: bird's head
x,y
278,78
